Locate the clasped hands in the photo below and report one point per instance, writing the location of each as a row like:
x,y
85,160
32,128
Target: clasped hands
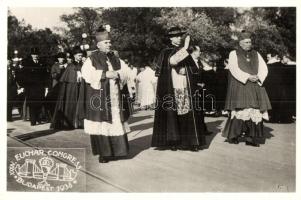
x,y
112,75
253,78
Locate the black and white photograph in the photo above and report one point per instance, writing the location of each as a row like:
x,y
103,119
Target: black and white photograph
x,y
155,98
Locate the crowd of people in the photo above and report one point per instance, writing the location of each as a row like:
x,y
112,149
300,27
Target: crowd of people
x,y
96,91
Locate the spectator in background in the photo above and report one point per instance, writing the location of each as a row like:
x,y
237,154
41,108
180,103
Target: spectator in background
x,y
210,79
145,81
269,56
273,58
139,89
195,53
276,87
69,58
287,60
35,81
132,80
11,89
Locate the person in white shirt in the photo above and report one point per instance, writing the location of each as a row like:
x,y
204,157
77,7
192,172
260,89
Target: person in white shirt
x,y
145,81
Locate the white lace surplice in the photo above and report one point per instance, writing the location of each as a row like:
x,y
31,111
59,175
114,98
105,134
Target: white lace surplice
x,y
116,128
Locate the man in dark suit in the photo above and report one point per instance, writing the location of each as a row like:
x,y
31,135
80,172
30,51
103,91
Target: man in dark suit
x,y
11,88
195,53
35,79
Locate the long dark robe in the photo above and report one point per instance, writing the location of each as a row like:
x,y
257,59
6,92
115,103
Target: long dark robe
x,y
277,87
53,92
169,127
65,115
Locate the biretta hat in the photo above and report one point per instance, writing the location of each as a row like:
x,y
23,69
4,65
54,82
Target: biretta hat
x,y
175,31
102,33
244,35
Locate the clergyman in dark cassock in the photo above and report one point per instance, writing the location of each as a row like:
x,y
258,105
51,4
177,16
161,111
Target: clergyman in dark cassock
x,y
105,118
246,100
56,72
279,97
177,121
35,81
65,114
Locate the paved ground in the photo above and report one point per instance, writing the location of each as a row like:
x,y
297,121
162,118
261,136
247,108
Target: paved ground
x,y
220,168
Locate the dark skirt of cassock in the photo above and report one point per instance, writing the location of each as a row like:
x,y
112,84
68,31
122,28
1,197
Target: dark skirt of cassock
x,y
104,146
242,96
169,127
109,146
65,114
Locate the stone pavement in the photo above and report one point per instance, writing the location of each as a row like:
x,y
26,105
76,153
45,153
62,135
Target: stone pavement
x,y
222,167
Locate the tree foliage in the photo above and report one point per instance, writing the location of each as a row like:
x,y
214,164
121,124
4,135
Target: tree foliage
x,y
139,33
83,20
135,33
22,37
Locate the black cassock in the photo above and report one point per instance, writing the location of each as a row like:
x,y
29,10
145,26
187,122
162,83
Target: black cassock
x,y
57,71
169,127
281,89
65,114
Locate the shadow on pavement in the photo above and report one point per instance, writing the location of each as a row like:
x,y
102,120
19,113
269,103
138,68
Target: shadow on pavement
x,y
143,143
9,130
36,134
213,127
139,145
140,118
267,132
142,126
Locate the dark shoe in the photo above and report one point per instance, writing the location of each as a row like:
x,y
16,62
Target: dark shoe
x,y
194,148
102,160
173,148
232,141
33,123
161,148
252,144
